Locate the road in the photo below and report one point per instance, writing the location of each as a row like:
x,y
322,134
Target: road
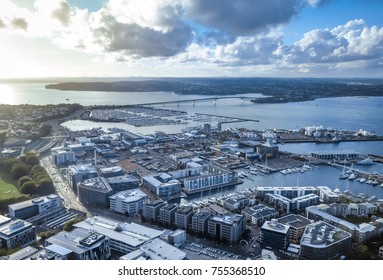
x,y
63,189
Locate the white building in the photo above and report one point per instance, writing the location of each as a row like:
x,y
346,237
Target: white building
x,y
130,202
163,185
124,237
61,156
15,233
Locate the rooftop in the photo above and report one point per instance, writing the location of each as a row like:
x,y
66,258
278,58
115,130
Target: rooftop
x,y
100,184
321,234
295,221
128,233
129,195
158,249
275,226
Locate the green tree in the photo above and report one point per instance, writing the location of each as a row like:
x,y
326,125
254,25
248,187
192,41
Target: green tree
x,y
28,187
19,170
32,159
46,187
362,252
22,180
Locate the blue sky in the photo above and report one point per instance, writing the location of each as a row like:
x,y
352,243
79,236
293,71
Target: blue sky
x,y
122,38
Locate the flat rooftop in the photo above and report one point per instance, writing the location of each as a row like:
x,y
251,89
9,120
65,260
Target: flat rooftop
x,y
295,221
321,234
128,233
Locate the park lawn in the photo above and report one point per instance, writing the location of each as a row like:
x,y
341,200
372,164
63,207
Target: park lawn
x,y
7,189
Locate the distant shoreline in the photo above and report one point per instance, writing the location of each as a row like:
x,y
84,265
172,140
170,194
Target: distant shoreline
x,y
275,90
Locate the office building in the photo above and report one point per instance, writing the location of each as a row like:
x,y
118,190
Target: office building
x,y
78,173
151,211
80,244
274,235
297,225
113,171
163,186
33,207
167,214
183,217
128,202
200,222
16,233
226,229
124,237
123,183
94,192
322,241
61,156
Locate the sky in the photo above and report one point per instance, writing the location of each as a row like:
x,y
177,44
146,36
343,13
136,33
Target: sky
x,y
191,38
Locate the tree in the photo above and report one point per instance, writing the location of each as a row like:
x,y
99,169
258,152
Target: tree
x,y
22,180
19,170
46,187
29,187
32,159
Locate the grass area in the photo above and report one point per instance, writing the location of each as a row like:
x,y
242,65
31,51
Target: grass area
x,y
7,187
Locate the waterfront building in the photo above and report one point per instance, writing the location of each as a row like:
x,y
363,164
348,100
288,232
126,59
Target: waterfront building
x,y
297,225
289,192
335,155
200,222
82,244
163,186
61,156
16,233
322,241
124,237
78,173
216,210
236,203
192,169
183,217
226,229
259,214
274,235
123,183
279,201
151,210
128,202
33,207
94,192
295,204
327,194
268,149
207,128
167,214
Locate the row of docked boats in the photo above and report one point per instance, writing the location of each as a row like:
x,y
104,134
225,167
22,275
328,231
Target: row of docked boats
x,y
302,169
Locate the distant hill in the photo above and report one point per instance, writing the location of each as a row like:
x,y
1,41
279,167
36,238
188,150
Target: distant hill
x,y
275,89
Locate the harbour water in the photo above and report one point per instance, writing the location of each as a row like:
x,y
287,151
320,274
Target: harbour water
x,y
351,113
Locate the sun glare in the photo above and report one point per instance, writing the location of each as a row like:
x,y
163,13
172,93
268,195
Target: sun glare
x,y
6,95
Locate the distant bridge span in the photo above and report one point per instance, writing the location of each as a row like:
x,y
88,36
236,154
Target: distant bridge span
x,y
214,99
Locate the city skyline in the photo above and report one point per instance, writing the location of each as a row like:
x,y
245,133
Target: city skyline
x,y
123,38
